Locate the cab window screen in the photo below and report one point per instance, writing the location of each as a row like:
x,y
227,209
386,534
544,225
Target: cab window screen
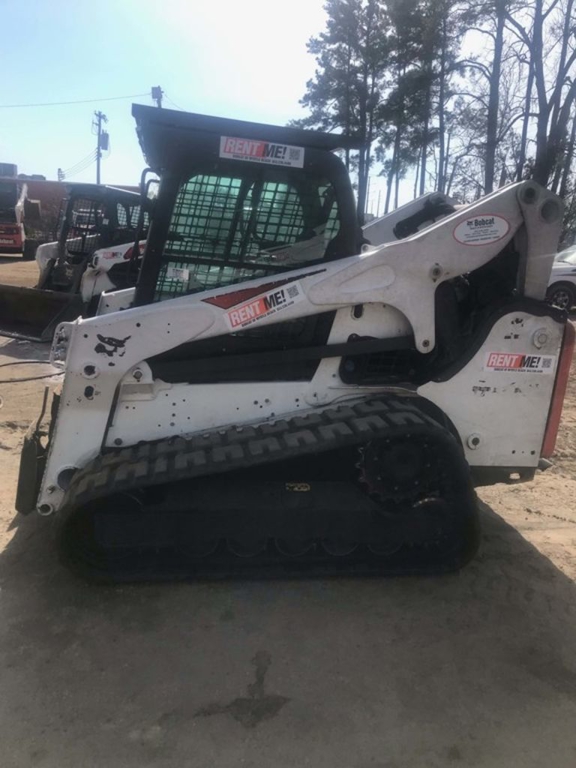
x,y
84,221
227,229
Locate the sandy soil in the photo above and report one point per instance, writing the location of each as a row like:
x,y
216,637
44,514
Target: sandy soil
x,y
472,669
15,271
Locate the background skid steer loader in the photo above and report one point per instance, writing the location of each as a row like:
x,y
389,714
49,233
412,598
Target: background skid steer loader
x,y
95,236
350,396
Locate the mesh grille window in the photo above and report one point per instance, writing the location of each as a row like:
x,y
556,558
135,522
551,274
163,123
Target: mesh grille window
x,y
226,230
84,222
127,216
121,215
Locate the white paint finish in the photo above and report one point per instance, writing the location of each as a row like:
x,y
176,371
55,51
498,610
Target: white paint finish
x,y
381,230
507,409
145,412
413,261
539,240
115,301
46,253
418,263
94,283
82,421
182,409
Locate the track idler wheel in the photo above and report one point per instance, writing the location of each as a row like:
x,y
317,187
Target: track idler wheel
x,y
396,470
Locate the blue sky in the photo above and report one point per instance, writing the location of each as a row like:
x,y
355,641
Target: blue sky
x,y
235,58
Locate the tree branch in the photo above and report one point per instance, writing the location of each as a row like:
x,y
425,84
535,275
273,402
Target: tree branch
x,y
483,31
473,96
521,32
553,5
477,65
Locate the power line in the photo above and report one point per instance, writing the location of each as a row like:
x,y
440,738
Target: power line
x,y
81,168
81,101
174,103
89,157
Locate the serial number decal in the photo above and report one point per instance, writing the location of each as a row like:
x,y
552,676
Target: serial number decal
x,y
519,363
261,152
265,305
481,230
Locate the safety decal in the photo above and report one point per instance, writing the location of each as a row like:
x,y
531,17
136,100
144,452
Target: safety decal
x,y
239,296
265,305
110,346
255,151
481,230
519,363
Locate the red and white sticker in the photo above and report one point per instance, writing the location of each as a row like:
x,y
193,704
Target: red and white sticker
x,y
519,363
261,152
265,305
482,230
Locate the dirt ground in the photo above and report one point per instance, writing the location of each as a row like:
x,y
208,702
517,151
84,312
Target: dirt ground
x,y
472,669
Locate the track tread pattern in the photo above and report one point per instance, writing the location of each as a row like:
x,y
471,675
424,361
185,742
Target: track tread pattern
x,y
234,448
318,432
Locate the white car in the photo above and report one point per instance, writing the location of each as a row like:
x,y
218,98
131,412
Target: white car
x,y
562,284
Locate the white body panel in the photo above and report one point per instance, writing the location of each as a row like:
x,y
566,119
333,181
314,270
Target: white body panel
x,y
95,279
501,415
381,230
106,374
45,255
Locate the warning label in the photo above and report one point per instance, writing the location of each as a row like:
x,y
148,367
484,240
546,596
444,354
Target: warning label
x,y
519,363
263,306
261,152
481,230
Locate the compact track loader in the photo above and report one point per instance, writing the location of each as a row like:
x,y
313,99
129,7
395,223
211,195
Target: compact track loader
x,y
93,253
276,396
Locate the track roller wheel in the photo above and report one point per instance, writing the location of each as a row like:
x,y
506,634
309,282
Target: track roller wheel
x,y
339,547
294,547
246,546
199,547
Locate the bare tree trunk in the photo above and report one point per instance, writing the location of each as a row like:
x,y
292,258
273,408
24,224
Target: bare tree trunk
x,y
525,123
396,192
541,164
393,165
440,178
425,135
568,158
494,99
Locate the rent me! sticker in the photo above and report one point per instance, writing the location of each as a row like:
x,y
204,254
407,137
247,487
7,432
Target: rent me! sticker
x,y
519,363
265,305
261,152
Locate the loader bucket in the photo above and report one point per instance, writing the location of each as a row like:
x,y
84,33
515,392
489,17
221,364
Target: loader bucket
x,y
31,313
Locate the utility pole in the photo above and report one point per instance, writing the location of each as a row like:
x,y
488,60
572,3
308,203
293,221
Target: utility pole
x,y
102,140
157,93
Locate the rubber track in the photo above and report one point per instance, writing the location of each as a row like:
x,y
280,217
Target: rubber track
x,y
226,450
319,431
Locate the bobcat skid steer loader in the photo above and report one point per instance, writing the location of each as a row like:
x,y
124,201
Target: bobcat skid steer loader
x,y
276,398
92,253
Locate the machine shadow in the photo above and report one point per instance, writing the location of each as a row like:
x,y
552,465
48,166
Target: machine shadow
x,y
21,349
466,667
